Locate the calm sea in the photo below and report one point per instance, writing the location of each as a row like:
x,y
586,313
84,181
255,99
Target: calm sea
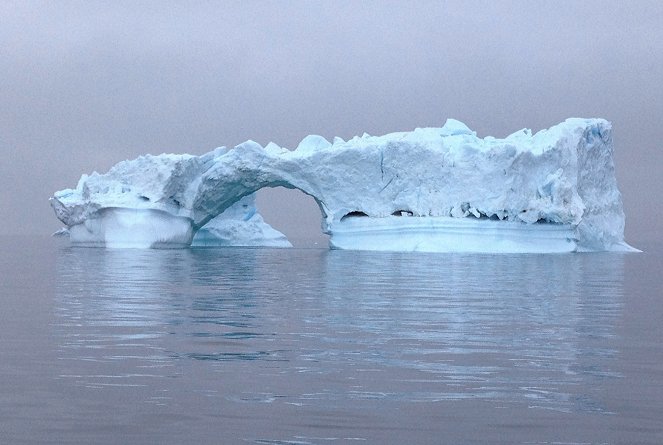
x,y
310,346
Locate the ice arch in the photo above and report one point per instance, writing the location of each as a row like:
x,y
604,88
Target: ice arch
x,y
243,171
430,189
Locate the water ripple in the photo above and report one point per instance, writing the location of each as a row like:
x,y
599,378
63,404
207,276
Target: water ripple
x,y
507,329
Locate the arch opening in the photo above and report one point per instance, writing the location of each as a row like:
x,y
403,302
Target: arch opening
x,y
295,214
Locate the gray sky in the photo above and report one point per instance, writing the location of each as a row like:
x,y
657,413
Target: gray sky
x,y
86,84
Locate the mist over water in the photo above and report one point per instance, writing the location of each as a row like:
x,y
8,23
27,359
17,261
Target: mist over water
x,y
315,346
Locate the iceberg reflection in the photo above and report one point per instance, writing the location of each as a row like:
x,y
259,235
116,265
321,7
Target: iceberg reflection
x,y
308,326
501,327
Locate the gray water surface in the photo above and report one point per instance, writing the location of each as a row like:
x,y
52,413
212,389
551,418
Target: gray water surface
x,y
310,346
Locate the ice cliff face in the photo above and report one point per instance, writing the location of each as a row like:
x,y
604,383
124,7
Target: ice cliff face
x,y
406,185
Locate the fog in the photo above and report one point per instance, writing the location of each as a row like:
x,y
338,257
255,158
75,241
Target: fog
x,y
87,84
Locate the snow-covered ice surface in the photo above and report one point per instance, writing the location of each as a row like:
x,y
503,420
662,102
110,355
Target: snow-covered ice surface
x,y
431,189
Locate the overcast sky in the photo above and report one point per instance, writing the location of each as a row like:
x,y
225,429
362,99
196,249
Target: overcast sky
x,y
86,84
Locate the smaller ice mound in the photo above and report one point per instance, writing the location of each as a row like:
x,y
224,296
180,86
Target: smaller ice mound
x,y
239,226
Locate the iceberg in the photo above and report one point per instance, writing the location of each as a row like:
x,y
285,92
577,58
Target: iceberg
x,y
431,189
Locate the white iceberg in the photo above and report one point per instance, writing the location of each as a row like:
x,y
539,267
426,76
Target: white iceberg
x,y
432,189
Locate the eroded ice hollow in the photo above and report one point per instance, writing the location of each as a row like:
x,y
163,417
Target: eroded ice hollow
x,y
431,189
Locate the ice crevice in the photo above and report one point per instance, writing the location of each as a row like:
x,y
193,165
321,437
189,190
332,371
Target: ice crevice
x,y
433,189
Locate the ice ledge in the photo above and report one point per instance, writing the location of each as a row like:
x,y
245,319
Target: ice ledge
x,y
447,234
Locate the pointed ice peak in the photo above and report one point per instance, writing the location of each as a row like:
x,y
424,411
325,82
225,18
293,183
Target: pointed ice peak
x,y
275,148
249,145
452,127
212,155
313,142
520,134
338,140
83,180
